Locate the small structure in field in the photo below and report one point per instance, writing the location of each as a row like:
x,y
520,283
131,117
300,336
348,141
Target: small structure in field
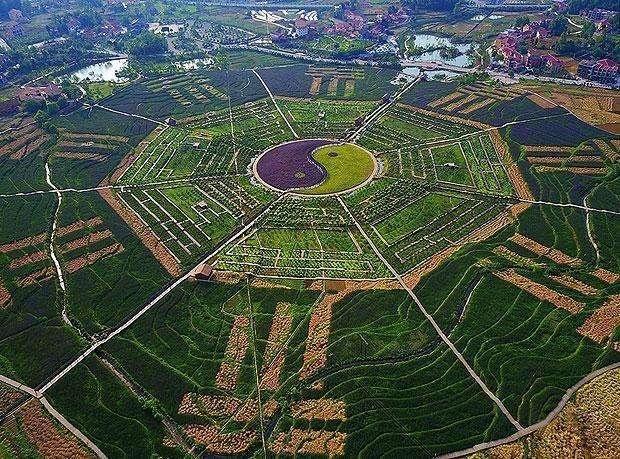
x,y
204,272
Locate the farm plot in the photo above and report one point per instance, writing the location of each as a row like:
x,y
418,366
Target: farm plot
x,y
470,162
94,400
250,128
34,342
84,159
188,221
410,232
22,140
304,239
333,81
323,118
585,159
187,93
405,409
503,324
403,127
32,431
255,339
468,99
168,153
352,83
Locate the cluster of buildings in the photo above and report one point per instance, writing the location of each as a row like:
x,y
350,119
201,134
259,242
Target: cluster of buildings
x,y
14,27
601,18
604,71
512,46
12,104
345,23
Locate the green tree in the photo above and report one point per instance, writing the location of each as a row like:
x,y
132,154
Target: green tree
x,y
559,25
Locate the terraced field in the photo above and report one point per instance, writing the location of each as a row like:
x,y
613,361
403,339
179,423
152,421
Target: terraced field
x,y
422,280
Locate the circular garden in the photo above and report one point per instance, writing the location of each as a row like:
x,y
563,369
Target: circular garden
x,y
315,167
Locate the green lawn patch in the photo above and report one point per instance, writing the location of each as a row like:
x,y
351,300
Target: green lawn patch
x,y
347,166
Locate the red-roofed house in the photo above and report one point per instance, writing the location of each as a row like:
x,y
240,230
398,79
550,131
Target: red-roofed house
x,y
603,70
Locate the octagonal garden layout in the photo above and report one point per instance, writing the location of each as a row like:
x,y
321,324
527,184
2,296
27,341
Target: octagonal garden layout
x,y
384,276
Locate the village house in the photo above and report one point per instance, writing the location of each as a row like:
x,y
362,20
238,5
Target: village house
x,y
301,27
13,29
38,92
16,15
598,14
604,71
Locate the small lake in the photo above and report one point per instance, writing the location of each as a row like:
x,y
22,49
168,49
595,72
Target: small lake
x,y
427,40
103,71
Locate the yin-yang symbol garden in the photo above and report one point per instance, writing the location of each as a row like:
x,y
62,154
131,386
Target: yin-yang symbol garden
x,y
310,260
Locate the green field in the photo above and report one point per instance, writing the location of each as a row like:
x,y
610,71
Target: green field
x,y
200,313
347,166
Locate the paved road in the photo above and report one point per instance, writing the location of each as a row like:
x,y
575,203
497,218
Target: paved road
x,y
439,331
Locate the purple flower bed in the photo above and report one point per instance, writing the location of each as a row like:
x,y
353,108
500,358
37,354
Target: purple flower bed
x,y
291,165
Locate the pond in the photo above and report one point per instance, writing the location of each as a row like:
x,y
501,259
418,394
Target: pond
x,y
432,41
103,71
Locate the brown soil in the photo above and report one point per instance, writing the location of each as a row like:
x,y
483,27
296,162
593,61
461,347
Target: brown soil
x,y
275,351
5,296
603,321
575,284
540,291
86,240
574,170
587,428
50,440
235,352
78,225
224,406
37,276
614,128
317,442
315,355
86,260
325,409
221,443
541,102
514,174
28,259
81,156
544,251
144,233
23,243
606,276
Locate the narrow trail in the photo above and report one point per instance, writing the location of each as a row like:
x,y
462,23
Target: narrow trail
x,y
123,187
96,344
439,331
133,115
589,231
57,267
275,103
